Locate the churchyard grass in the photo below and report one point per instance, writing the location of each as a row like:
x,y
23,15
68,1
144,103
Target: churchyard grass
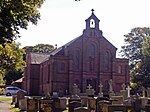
x,y
5,99
15,109
13,106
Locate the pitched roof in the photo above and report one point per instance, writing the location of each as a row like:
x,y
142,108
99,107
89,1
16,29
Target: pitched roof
x,y
60,48
37,58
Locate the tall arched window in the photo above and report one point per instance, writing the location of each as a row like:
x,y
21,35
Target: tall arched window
x,y
92,51
92,23
77,59
91,56
106,61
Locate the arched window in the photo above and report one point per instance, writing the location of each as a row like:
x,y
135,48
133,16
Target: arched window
x,y
77,59
106,61
91,56
92,23
92,51
119,69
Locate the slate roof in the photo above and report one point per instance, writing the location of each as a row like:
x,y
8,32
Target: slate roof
x,y
37,58
60,48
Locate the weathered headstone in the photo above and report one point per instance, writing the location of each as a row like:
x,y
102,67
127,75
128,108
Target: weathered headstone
x,y
91,103
63,103
143,92
147,108
144,101
128,91
84,100
14,99
89,91
59,104
137,104
111,92
100,94
117,100
23,104
123,92
46,105
117,108
73,105
75,92
32,105
123,86
20,95
81,109
102,106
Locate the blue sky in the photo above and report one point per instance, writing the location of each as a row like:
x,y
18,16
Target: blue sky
x,y
63,20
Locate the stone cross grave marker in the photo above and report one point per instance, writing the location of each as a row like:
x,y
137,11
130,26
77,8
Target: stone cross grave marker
x,y
90,91
75,91
110,85
111,92
100,94
128,91
143,91
123,86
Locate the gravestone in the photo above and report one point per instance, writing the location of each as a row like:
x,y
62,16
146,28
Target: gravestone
x,y
73,105
14,99
59,104
137,104
111,92
63,103
147,108
128,91
117,108
143,92
75,92
91,103
45,105
102,106
100,94
123,92
148,92
81,109
89,91
84,101
32,105
144,102
23,104
20,95
117,100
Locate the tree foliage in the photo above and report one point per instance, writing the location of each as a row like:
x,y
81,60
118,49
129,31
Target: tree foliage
x,y
16,14
11,60
137,50
39,48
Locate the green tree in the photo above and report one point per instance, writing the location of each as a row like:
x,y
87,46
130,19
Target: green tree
x,y
39,48
135,48
11,60
16,14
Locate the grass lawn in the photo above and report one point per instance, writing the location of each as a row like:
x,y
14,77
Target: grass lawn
x,y
10,100
5,99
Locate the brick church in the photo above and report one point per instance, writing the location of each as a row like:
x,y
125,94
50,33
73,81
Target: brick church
x,y
87,59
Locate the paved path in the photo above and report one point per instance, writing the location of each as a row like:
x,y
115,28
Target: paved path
x,y
5,106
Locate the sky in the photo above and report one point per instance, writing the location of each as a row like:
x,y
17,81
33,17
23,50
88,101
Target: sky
x,y
63,20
